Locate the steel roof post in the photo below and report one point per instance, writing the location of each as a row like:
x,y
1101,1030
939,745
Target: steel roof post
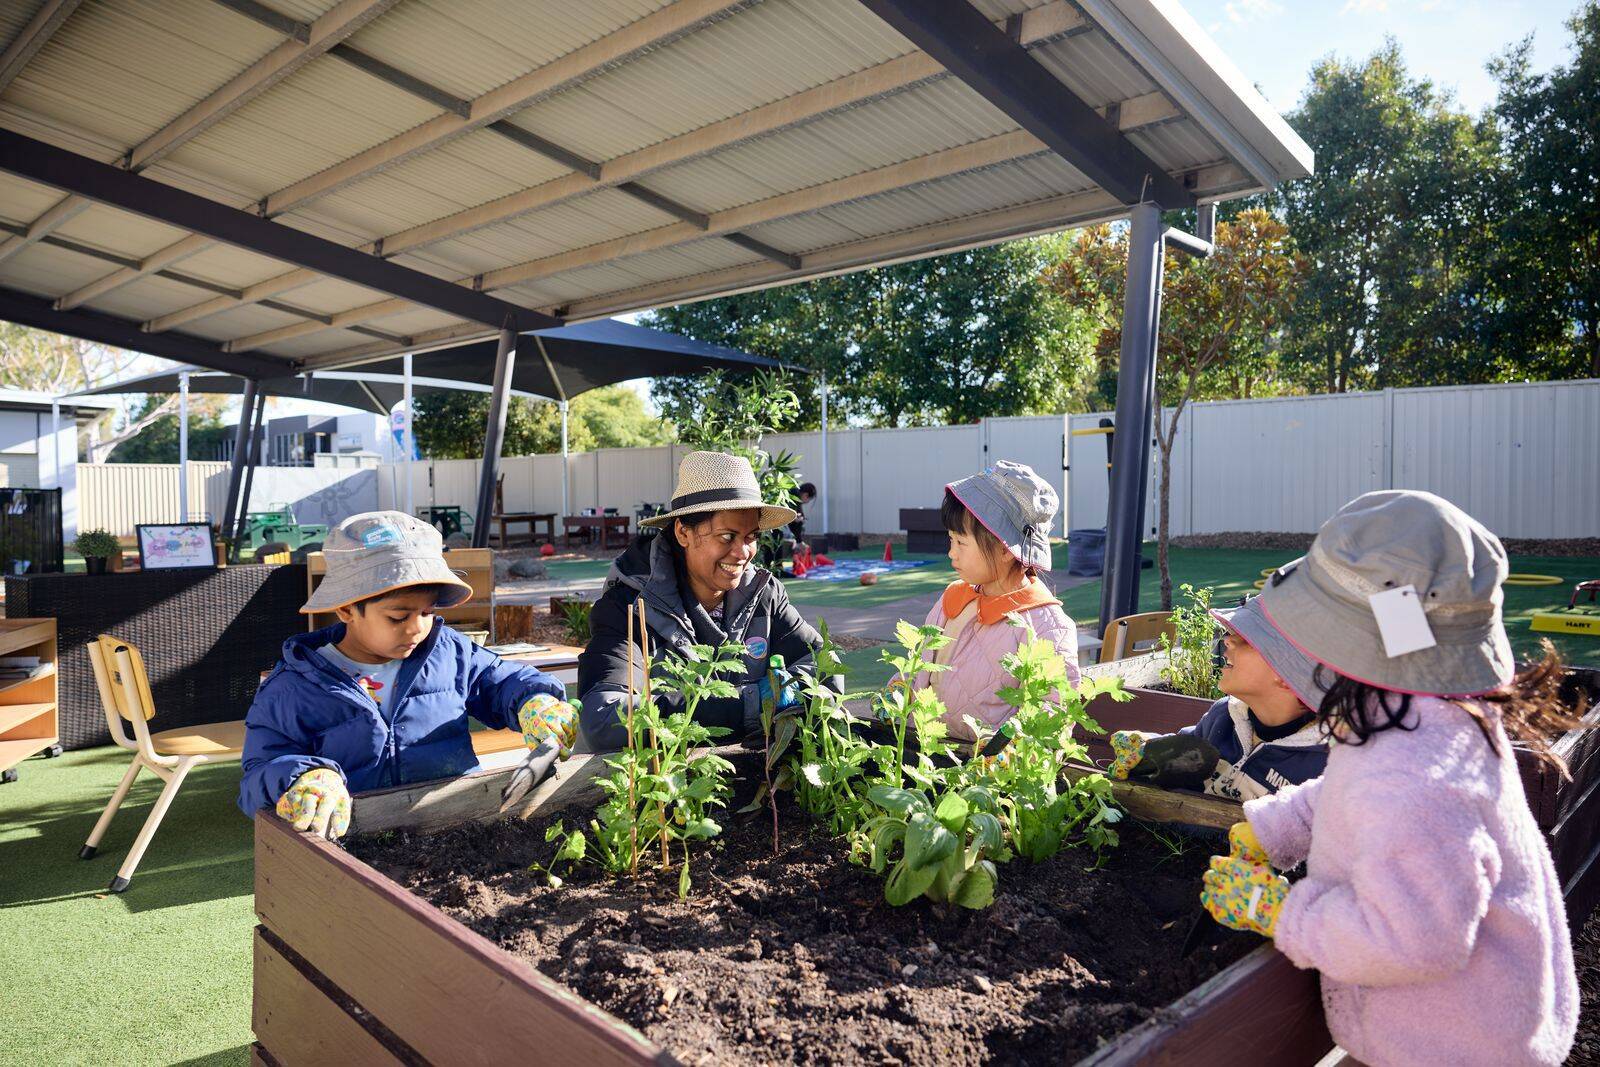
x,y
257,425
1136,385
494,436
241,441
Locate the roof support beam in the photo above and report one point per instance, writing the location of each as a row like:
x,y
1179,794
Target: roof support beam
x,y
989,152
121,333
260,76
45,163
39,29
1000,70
1053,20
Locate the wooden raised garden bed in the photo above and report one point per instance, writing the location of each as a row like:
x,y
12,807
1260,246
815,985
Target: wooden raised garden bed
x,y
350,964
352,967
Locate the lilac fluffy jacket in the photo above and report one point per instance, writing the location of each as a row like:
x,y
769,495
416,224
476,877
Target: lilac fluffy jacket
x,y
968,687
1430,903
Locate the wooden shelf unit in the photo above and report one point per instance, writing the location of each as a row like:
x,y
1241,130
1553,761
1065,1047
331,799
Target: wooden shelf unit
x,y
28,708
476,613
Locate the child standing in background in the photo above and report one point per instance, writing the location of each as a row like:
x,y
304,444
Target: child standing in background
x,y
999,524
1430,903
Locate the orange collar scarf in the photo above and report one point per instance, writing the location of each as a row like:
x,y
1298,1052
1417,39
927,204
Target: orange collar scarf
x,y
991,609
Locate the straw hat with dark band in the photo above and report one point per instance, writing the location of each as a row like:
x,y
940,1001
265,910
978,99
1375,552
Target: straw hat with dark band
x,y
716,481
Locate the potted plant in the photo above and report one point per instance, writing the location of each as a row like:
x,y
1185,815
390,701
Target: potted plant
x,y
96,547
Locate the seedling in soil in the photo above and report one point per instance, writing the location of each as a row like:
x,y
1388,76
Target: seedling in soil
x,y
665,783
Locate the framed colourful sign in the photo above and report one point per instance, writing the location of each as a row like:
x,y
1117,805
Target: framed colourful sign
x,y
176,546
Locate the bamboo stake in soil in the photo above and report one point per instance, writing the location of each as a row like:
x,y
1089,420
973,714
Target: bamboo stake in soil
x,y
655,753
633,759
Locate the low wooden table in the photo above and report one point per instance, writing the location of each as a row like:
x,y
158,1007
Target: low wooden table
x,y
534,519
604,523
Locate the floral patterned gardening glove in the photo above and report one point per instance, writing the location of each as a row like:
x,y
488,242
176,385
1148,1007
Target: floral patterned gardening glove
x,y
543,716
1127,748
1243,895
1245,845
318,802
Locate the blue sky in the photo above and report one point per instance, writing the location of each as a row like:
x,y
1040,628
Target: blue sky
x,y
1276,42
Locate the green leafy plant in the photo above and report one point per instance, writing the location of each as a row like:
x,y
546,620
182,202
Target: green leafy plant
x,y
946,851
934,817
96,544
1190,668
575,616
1040,807
665,783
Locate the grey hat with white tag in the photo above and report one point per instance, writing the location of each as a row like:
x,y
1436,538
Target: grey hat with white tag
x,y
1014,504
1293,667
380,552
1419,555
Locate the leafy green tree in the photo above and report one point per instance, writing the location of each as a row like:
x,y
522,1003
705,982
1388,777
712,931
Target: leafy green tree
x,y
1220,318
157,439
1398,222
950,339
1548,247
450,424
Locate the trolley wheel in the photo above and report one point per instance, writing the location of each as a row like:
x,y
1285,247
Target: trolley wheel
x,y
52,752
8,776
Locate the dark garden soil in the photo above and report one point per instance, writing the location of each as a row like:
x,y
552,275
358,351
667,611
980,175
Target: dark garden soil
x,y
796,957
1586,955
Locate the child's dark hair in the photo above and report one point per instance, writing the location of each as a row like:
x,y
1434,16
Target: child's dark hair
x,y
1531,709
807,489
958,519
438,589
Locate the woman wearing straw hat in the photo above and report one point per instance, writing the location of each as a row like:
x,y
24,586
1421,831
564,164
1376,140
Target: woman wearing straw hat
x,y
694,570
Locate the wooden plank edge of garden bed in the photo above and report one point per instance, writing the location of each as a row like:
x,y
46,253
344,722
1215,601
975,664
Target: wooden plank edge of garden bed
x,y
298,1016
1261,1003
410,965
475,797
1166,805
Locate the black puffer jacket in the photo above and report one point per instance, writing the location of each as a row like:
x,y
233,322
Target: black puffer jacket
x,y
756,614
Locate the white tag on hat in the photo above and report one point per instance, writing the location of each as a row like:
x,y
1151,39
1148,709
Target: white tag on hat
x,y
1401,621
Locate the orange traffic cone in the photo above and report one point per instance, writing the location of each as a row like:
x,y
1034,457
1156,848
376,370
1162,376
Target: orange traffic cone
x,y
822,561
800,567
888,551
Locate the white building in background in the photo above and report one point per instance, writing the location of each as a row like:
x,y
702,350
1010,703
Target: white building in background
x,y
35,455
296,440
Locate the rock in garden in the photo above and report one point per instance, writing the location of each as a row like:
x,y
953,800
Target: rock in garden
x,y
458,540
980,984
527,567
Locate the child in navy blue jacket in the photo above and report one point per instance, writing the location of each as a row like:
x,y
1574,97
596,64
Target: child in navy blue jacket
x,y
1264,731
382,697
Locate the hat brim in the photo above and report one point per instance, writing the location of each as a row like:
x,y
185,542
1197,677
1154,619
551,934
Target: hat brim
x,y
772,516
341,588
990,511
1342,636
1291,666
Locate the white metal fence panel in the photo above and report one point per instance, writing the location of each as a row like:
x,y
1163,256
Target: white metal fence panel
x,y
119,496
1279,464
1524,460
844,475
909,469
1039,441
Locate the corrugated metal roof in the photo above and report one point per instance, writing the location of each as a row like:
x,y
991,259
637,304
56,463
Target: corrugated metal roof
x,y
119,70
122,69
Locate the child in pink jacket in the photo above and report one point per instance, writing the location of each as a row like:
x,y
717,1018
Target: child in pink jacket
x,y
999,524
1430,903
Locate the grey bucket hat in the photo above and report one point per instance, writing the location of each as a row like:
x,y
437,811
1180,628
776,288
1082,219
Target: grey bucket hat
x,y
1292,666
377,552
1386,541
1014,504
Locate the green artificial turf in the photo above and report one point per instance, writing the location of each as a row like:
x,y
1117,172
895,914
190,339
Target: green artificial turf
x,y
159,974
890,587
